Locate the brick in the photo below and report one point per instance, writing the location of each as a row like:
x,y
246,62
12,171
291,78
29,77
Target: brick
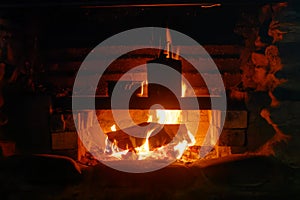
x,y
64,140
236,119
232,137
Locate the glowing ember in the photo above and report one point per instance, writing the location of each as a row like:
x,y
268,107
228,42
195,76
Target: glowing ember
x,y
113,128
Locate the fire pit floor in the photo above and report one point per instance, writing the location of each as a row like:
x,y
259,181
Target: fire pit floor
x,y
226,178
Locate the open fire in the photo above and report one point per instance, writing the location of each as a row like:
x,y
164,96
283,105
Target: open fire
x,y
168,135
149,150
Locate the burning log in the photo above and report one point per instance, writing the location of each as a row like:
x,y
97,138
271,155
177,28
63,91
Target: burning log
x,y
159,137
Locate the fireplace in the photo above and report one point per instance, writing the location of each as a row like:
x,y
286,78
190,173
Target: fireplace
x,y
245,70
155,127
198,90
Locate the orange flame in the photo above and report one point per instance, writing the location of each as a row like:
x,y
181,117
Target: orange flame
x,y
176,57
169,42
144,150
183,145
143,83
115,151
168,36
180,147
113,128
183,89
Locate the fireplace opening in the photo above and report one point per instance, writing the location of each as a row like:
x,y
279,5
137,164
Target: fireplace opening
x,y
159,129
163,125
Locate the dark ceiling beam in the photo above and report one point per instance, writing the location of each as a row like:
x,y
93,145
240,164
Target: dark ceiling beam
x,y
128,3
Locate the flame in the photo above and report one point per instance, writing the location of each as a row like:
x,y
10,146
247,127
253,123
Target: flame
x,y
168,116
143,89
168,36
113,128
120,154
183,89
181,147
169,42
174,150
176,57
169,51
113,148
150,118
144,150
